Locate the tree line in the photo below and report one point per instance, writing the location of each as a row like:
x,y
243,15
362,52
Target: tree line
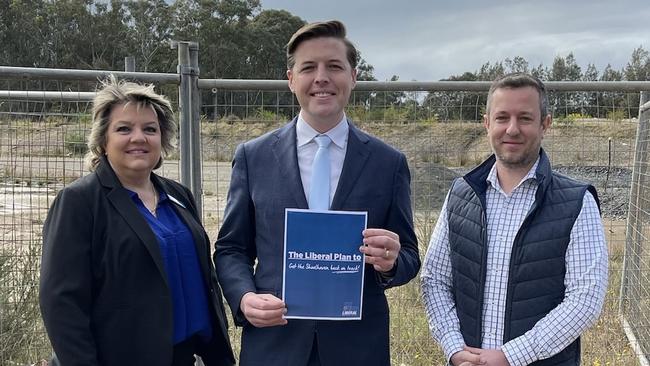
x,y
566,105
239,39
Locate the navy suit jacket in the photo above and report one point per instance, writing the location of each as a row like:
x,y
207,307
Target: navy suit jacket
x,y
266,180
103,289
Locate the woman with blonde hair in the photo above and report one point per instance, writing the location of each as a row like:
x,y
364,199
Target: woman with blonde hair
x,y
126,275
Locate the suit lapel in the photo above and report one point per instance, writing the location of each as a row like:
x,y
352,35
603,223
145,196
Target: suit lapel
x,y
355,158
121,201
284,149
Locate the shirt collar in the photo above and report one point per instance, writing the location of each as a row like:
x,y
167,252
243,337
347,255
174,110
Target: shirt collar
x,y
305,133
494,182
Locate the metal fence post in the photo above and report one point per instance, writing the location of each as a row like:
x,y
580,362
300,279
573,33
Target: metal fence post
x,y
189,104
644,97
184,112
129,64
196,168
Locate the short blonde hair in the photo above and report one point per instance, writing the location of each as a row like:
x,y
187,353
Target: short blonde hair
x,y
113,92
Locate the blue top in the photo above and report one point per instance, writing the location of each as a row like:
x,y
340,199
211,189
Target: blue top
x,y
178,250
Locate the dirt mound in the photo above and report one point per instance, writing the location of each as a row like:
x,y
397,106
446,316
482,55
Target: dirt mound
x,y
430,183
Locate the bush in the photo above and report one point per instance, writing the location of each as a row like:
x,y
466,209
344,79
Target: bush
x,y
22,337
616,115
357,113
266,115
571,118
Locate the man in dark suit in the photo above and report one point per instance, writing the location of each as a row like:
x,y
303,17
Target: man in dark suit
x,y
274,172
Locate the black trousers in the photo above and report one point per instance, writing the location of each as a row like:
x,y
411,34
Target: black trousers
x,y
184,352
314,360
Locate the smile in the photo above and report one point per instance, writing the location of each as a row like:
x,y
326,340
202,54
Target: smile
x,y
322,94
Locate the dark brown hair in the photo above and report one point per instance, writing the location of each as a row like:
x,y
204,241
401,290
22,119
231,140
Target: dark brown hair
x,y
332,28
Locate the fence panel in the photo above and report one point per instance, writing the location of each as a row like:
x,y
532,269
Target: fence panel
x,y
41,148
441,133
42,143
635,287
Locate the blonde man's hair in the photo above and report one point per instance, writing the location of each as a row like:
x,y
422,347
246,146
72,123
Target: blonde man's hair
x,y
112,93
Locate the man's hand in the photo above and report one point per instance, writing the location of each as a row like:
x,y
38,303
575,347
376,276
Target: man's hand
x,y
489,357
465,358
263,310
381,248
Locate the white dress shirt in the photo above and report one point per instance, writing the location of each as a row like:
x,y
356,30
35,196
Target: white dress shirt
x,y
585,279
307,146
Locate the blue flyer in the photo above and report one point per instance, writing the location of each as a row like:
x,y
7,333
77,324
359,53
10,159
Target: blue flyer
x,y
323,268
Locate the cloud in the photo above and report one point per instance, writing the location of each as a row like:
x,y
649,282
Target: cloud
x,y
431,40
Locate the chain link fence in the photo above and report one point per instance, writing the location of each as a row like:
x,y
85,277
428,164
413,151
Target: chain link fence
x,y
42,141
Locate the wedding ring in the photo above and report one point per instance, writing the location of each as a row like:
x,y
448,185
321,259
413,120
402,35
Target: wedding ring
x,y
386,253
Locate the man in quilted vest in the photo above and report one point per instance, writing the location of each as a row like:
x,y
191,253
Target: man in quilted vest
x,y
516,268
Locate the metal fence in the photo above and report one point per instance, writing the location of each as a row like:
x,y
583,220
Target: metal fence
x,y
635,285
42,138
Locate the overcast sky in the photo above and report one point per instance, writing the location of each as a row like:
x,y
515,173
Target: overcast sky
x,y
429,40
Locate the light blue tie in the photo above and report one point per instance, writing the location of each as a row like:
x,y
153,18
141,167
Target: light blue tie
x,y
319,194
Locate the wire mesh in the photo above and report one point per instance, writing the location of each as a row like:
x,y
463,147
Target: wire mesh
x,y
42,146
442,135
635,287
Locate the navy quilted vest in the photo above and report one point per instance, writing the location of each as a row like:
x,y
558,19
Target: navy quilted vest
x,y
537,263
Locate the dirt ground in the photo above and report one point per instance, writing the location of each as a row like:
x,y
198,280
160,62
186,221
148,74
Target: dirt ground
x,y
36,165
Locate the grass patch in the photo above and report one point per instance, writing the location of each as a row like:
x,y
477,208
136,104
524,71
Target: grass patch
x,y
75,142
20,318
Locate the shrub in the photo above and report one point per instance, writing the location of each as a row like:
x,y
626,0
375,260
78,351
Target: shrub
x,y
357,113
571,118
393,114
266,115
22,337
616,115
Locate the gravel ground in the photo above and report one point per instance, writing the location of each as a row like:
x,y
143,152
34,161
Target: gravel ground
x,y
431,183
613,188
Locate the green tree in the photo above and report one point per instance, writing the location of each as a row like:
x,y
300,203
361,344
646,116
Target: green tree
x,y
19,46
540,72
106,37
66,22
609,102
638,68
609,74
461,105
150,32
489,72
517,64
270,31
565,69
225,37
589,100
591,73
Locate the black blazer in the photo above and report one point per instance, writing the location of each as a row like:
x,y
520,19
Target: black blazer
x,y
103,290
266,180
